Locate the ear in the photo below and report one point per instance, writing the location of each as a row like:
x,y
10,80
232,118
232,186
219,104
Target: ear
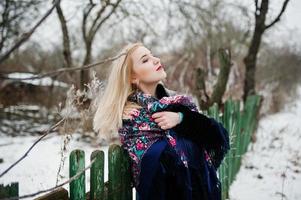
x,y
134,80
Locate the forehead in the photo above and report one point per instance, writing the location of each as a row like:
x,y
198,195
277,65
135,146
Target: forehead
x,y
139,52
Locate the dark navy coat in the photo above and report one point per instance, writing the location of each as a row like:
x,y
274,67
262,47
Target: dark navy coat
x,y
164,177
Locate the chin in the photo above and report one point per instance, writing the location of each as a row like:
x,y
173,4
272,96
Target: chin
x,y
164,74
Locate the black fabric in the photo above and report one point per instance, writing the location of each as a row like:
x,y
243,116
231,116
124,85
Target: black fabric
x,y
165,185
203,130
161,92
195,126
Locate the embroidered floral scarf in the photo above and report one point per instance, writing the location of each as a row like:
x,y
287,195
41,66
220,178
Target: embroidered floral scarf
x,y
140,131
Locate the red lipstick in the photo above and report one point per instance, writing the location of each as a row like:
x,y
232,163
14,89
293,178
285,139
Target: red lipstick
x,y
160,66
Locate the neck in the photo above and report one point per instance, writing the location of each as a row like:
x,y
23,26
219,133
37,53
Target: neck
x,y
149,88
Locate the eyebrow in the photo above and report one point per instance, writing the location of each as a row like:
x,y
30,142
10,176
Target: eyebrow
x,y
145,55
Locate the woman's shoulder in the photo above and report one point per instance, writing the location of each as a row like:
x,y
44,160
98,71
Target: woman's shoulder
x,y
129,109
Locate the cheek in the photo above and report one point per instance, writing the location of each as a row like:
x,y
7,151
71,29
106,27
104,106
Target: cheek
x,y
145,71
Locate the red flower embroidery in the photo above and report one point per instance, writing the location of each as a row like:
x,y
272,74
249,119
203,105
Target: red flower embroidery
x,y
135,112
139,146
144,126
172,141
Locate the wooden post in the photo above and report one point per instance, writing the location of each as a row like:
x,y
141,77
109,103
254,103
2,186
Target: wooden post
x,y
97,176
10,190
126,177
114,188
236,140
77,164
227,122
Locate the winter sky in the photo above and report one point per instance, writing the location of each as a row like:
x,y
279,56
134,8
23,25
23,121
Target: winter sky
x,y
288,30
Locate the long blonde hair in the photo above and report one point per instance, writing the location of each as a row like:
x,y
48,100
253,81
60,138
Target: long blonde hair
x,y
109,113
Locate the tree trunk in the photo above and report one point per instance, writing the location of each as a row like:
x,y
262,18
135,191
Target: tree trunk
x,y
250,63
220,86
84,74
66,44
260,28
251,57
200,90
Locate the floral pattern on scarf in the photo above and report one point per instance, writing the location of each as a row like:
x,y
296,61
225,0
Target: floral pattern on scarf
x,y
140,131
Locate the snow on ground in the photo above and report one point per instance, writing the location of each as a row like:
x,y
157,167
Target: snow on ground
x,y
271,170
39,169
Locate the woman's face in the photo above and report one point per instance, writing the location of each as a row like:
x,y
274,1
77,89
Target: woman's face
x,y
147,69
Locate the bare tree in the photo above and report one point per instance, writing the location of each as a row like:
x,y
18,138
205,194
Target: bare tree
x,y
66,38
25,36
220,86
94,17
207,29
13,15
103,12
261,10
67,54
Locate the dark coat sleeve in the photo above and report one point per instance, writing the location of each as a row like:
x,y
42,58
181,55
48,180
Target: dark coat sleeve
x,y
203,130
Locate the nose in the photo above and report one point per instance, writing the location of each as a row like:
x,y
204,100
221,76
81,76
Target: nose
x,y
156,60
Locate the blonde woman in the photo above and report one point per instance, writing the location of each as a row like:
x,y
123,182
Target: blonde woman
x,y
174,149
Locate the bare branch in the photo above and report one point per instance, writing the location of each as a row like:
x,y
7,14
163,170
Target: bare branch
x,y
63,70
14,18
27,35
94,29
244,11
36,142
85,16
138,14
181,61
89,35
98,16
56,187
277,19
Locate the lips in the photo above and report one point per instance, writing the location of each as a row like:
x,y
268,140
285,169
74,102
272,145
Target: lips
x,y
160,66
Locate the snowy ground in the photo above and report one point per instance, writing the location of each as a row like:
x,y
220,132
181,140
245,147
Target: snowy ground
x,y
38,171
270,170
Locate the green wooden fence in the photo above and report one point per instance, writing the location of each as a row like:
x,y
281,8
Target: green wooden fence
x,y
240,124
118,185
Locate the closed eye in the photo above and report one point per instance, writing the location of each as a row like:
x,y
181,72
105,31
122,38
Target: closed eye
x,y
146,59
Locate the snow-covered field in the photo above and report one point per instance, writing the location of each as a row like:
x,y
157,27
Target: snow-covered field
x,y
270,170
38,171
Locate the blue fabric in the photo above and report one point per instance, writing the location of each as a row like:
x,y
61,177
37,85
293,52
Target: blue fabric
x,y
149,166
170,179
